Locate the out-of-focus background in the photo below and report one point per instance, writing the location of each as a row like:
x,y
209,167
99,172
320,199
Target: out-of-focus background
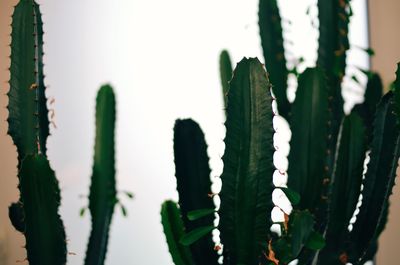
x,y
162,58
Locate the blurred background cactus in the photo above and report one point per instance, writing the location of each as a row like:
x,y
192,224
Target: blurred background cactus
x,y
36,213
341,166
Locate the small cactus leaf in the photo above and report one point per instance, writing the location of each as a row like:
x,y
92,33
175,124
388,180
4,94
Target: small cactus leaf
x,y
315,241
28,114
379,179
346,186
192,173
308,145
300,227
40,197
299,230
271,33
174,230
197,214
248,165
225,71
293,196
369,51
124,211
372,96
82,211
129,194
17,216
195,235
102,197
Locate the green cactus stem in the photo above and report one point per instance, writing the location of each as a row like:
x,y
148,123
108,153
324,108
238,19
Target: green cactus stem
x,y
225,70
346,188
194,185
246,200
271,34
102,198
334,17
379,180
372,96
309,125
28,115
40,197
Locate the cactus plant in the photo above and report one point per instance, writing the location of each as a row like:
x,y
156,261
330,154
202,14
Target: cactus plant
x,y
327,181
36,213
29,128
102,198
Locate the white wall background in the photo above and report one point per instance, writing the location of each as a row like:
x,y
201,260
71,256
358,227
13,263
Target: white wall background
x,y
162,58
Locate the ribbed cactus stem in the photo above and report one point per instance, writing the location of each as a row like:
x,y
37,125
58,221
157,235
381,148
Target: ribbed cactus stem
x,y
40,197
102,198
194,185
246,195
28,113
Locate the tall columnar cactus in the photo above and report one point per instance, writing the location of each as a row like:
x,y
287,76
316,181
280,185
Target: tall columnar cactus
x,y
102,198
194,185
247,165
309,125
36,213
274,52
327,181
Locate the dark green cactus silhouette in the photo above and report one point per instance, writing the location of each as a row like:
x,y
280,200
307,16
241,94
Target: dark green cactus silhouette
x,y
36,213
225,69
40,196
28,115
102,198
326,159
274,52
247,164
194,185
